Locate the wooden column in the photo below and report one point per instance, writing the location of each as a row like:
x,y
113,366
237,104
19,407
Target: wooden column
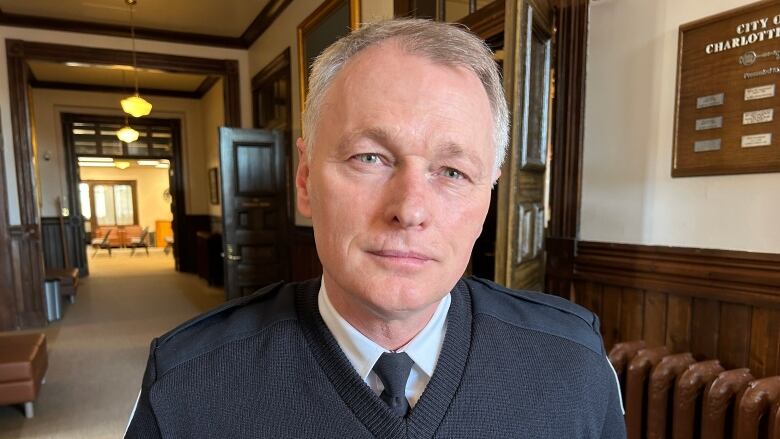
x,y
27,257
571,40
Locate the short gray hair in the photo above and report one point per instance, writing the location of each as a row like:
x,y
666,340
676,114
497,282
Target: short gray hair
x,y
444,43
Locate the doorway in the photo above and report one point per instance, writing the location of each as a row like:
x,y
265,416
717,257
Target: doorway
x,y
19,55
123,190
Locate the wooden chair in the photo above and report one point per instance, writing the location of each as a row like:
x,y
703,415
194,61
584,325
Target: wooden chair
x,y
168,244
139,242
103,243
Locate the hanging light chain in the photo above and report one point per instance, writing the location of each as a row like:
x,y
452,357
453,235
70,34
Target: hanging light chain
x,y
132,3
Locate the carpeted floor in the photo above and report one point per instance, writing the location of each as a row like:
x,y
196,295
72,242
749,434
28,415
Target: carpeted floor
x,y
98,351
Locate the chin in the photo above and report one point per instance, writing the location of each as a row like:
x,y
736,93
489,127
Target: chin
x,y
400,294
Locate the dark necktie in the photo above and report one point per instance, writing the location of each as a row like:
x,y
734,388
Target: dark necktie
x,y
393,369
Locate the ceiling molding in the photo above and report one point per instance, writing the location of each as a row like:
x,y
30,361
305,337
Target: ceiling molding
x,y
55,85
206,85
271,11
259,25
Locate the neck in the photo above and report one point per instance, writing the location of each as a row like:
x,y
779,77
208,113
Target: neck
x,y
392,331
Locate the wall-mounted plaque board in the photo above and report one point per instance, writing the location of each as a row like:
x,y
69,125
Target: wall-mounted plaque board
x,y
728,93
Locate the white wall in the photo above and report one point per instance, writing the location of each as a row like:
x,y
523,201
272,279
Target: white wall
x,y
48,105
150,184
628,194
79,39
283,34
213,109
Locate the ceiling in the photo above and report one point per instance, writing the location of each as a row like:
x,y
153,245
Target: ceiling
x,y
224,18
113,76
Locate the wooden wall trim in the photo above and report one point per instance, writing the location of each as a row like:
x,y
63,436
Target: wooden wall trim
x,y
571,41
51,242
18,51
232,94
487,22
56,85
27,268
20,124
724,275
7,302
115,30
270,12
571,44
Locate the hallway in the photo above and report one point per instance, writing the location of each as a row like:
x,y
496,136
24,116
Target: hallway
x,y
97,352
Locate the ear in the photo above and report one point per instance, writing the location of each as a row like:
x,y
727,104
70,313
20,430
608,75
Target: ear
x,y
302,180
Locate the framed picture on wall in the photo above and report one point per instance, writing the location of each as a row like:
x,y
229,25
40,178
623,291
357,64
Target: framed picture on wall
x,y
214,185
330,21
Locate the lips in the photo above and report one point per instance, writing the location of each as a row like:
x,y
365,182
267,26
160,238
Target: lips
x,y
402,255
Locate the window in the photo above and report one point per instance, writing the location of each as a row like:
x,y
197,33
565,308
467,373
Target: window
x,y
108,203
91,135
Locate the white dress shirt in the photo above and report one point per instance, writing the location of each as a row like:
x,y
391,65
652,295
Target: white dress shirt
x,y
363,353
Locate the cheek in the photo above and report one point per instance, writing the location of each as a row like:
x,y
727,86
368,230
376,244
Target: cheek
x,y
464,225
340,205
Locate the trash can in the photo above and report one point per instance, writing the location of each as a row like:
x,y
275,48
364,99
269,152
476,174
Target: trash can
x,y
51,289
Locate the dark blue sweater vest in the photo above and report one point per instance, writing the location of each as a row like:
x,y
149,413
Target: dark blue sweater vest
x,y
513,364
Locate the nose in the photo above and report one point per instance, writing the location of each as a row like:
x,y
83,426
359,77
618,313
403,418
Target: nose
x,y
409,201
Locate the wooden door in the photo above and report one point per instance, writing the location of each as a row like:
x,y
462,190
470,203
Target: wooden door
x,y
488,24
254,215
523,191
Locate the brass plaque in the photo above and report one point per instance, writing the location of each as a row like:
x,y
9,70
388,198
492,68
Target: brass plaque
x,y
727,74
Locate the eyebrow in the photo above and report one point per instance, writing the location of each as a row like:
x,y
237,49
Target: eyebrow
x,y
380,135
452,149
447,149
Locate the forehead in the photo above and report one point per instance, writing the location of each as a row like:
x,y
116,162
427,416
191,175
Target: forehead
x,y
408,95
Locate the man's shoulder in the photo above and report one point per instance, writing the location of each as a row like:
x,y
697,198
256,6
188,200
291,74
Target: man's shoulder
x,y
537,311
232,321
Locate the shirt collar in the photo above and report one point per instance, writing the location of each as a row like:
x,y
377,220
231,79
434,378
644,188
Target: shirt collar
x,y
363,352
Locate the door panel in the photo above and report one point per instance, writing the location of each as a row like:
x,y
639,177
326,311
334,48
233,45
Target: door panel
x,y
524,187
252,164
528,272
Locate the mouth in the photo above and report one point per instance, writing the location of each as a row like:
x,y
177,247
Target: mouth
x,y
404,257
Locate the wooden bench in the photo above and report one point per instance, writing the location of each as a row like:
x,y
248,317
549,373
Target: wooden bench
x,y
68,279
23,364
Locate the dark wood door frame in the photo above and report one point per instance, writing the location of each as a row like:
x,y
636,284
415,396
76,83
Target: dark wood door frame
x,y
279,66
18,52
176,183
571,40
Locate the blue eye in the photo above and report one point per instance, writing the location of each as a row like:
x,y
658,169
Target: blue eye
x,y
453,173
368,158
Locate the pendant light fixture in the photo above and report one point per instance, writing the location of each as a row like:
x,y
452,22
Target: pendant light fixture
x,y
135,105
127,134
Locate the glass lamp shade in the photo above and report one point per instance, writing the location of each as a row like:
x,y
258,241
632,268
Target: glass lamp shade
x,y
127,134
136,106
122,165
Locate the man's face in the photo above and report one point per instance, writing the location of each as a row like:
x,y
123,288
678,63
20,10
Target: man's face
x,y
399,181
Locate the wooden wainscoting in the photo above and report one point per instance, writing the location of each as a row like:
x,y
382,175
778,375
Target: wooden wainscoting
x,y
713,303
27,273
51,240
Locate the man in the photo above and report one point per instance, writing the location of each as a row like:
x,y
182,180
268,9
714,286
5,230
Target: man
x,y
404,134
